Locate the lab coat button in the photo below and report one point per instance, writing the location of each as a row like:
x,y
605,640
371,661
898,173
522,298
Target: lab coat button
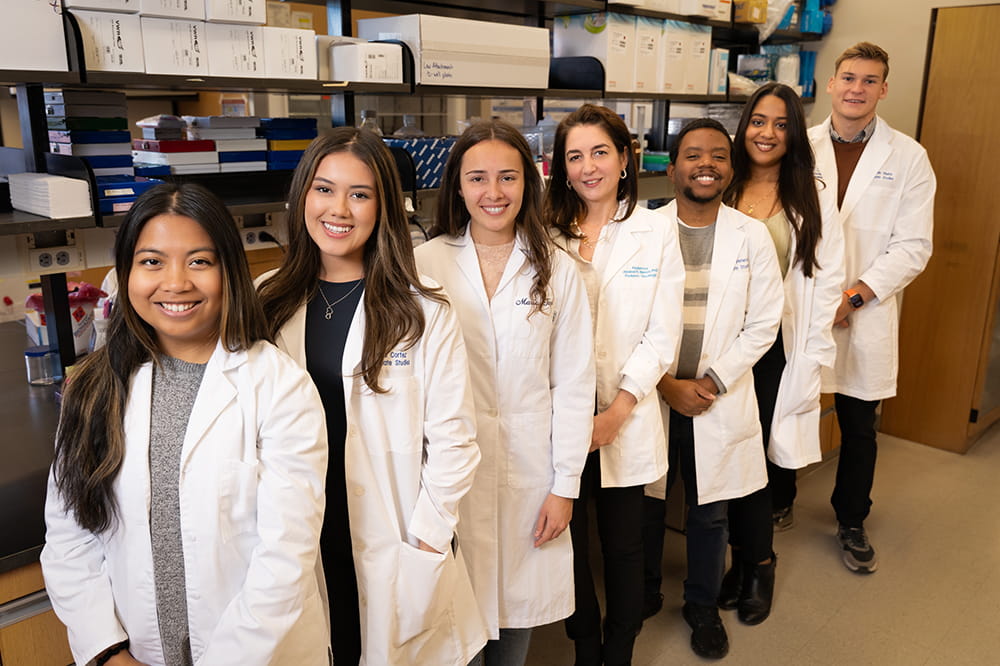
x,y
359,491
602,354
491,412
352,432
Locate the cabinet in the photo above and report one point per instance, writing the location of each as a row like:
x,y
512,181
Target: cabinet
x,y
30,633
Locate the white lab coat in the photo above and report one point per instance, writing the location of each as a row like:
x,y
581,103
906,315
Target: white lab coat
x,y
410,457
888,220
636,337
807,335
251,507
742,315
533,379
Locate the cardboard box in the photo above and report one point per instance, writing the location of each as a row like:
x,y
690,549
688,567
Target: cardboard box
x,y
236,11
175,47
704,8
371,62
184,9
234,50
750,11
718,72
607,36
120,6
289,53
648,53
723,10
111,42
696,59
32,37
675,45
460,52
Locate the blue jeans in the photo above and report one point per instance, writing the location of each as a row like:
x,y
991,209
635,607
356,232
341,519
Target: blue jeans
x,y
511,649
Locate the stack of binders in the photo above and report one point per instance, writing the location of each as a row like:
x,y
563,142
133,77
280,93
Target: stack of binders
x,y
182,156
91,125
235,140
50,196
287,139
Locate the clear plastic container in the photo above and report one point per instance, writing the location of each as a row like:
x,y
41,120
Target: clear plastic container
x,y
41,363
410,128
369,121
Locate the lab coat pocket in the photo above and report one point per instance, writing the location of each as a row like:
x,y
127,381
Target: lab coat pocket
x,y
424,586
529,450
238,498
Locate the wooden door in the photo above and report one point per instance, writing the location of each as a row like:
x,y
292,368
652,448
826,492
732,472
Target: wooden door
x,y
947,314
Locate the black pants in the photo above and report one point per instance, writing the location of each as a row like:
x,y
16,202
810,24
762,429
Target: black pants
x,y
706,524
750,529
619,524
856,468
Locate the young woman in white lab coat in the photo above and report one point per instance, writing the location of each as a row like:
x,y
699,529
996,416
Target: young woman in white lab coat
x,y
186,497
388,357
773,182
634,274
526,322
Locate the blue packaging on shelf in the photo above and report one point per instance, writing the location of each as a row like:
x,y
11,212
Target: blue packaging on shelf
x,y
243,156
288,123
287,134
284,155
278,165
116,205
429,156
150,170
106,161
121,186
807,73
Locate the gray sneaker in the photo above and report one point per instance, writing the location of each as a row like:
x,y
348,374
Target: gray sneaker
x,y
859,556
783,519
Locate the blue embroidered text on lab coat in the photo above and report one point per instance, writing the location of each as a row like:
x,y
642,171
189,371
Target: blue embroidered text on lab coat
x,y
641,272
742,264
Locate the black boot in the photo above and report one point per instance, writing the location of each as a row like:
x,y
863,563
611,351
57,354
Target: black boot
x,y
732,584
758,592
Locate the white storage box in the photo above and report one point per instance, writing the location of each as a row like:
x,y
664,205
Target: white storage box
x,y
174,47
289,53
323,44
706,8
32,37
674,53
718,72
607,36
234,49
185,9
696,59
648,53
723,10
111,42
370,62
459,52
236,11
120,6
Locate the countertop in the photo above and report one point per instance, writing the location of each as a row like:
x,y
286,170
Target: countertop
x,y
29,415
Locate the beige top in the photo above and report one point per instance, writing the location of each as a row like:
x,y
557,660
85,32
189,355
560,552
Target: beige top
x,y
781,233
492,262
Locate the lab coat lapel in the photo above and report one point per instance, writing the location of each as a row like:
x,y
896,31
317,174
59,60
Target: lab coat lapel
x,y
627,245
135,464
729,239
514,265
217,390
468,263
826,161
353,347
874,156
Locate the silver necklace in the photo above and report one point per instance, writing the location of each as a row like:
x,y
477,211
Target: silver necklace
x,y
329,305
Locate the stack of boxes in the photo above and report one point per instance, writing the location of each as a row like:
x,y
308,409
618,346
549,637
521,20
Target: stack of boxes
x,y
287,139
235,139
181,156
102,140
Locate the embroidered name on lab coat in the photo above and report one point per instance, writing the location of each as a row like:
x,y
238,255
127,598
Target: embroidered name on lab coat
x,y
397,358
884,176
641,272
742,264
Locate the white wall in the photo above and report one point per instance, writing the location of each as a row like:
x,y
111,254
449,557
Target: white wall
x,y
901,27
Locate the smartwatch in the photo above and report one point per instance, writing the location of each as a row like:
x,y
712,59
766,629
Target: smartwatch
x,y
854,298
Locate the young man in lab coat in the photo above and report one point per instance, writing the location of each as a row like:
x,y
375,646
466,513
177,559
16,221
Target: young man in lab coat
x,y
733,301
884,187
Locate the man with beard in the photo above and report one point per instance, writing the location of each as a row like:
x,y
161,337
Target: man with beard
x,y
733,300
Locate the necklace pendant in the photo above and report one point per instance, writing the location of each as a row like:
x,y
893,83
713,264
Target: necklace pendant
x,y
329,312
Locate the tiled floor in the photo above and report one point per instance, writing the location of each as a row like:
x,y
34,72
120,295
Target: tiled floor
x,y
935,598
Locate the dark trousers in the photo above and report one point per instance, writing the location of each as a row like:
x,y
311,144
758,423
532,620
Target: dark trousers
x,y
856,468
707,525
750,529
619,525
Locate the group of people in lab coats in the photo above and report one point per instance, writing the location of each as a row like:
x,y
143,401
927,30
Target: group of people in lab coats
x,y
393,479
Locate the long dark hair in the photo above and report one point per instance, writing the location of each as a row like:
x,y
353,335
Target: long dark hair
x,y
392,288
453,215
90,442
563,206
796,177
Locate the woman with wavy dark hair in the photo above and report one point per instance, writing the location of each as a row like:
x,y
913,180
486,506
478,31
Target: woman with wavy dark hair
x,y
387,355
186,497
632,268
524,315
774,182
